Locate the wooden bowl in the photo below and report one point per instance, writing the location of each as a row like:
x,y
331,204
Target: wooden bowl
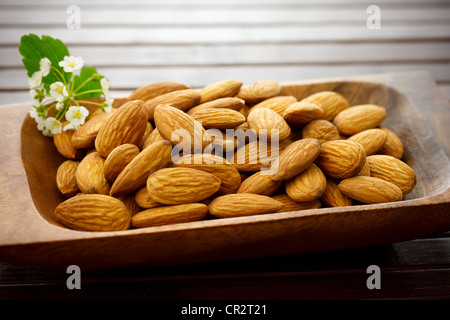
x,y
417,111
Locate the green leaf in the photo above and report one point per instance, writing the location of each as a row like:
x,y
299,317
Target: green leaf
x,y
82,80
33,49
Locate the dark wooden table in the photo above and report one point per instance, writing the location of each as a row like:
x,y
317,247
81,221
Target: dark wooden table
x,y
199,42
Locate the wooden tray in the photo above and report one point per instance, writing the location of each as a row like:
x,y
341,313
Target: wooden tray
x,y
417,111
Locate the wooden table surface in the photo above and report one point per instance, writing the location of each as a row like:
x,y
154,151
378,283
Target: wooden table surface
x,y
198,42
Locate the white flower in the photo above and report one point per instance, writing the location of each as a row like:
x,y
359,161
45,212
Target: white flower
x,y
71,63
33,94
105,87
108,105
34,114
59,106
76,117
58,91
52,126
35,82
45,66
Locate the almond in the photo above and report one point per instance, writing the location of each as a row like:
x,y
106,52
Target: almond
x,y
84,137
307,186
333,197
290,205
144,201
66,179
218,166
268,123
156,89
371,140
393,170
295,158
365,171
222,89
126,125
259,183
259,91
331,103
341,159
359,118
181,99
232,103
279,104
135,174
153,137
253,156
219,118
91,174
393,145
130,203
147,133
322,130
93,212
170,215
243,204
173,124
302,112
64,145
118,159
370,190
181,185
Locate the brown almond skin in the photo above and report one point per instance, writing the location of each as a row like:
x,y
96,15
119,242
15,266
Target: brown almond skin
x,y
322,130
261,119
153,137
84,137
291,205
222,89
393,145
340,159
279,104
333,197
126,125
66,179
181,99
156,89
393,170
64,145
232,103
250,157
259,183
181,185
91,174
135,174
259,91
118,159
295,158
144,201
331,103
93,212
370,190
170,215
169,120
359,118
302,112
371,139
307,186
243,204
218,166
219,118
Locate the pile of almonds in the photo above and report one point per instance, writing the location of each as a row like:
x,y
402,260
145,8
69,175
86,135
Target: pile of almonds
x,y
120,172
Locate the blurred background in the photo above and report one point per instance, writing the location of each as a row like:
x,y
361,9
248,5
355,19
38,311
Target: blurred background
x,y
198,42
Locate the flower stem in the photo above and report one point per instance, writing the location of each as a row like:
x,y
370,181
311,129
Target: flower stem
x,y
88,102
81,85
60,74
88,91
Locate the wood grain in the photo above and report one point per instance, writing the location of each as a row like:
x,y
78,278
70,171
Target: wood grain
x,y
426,210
